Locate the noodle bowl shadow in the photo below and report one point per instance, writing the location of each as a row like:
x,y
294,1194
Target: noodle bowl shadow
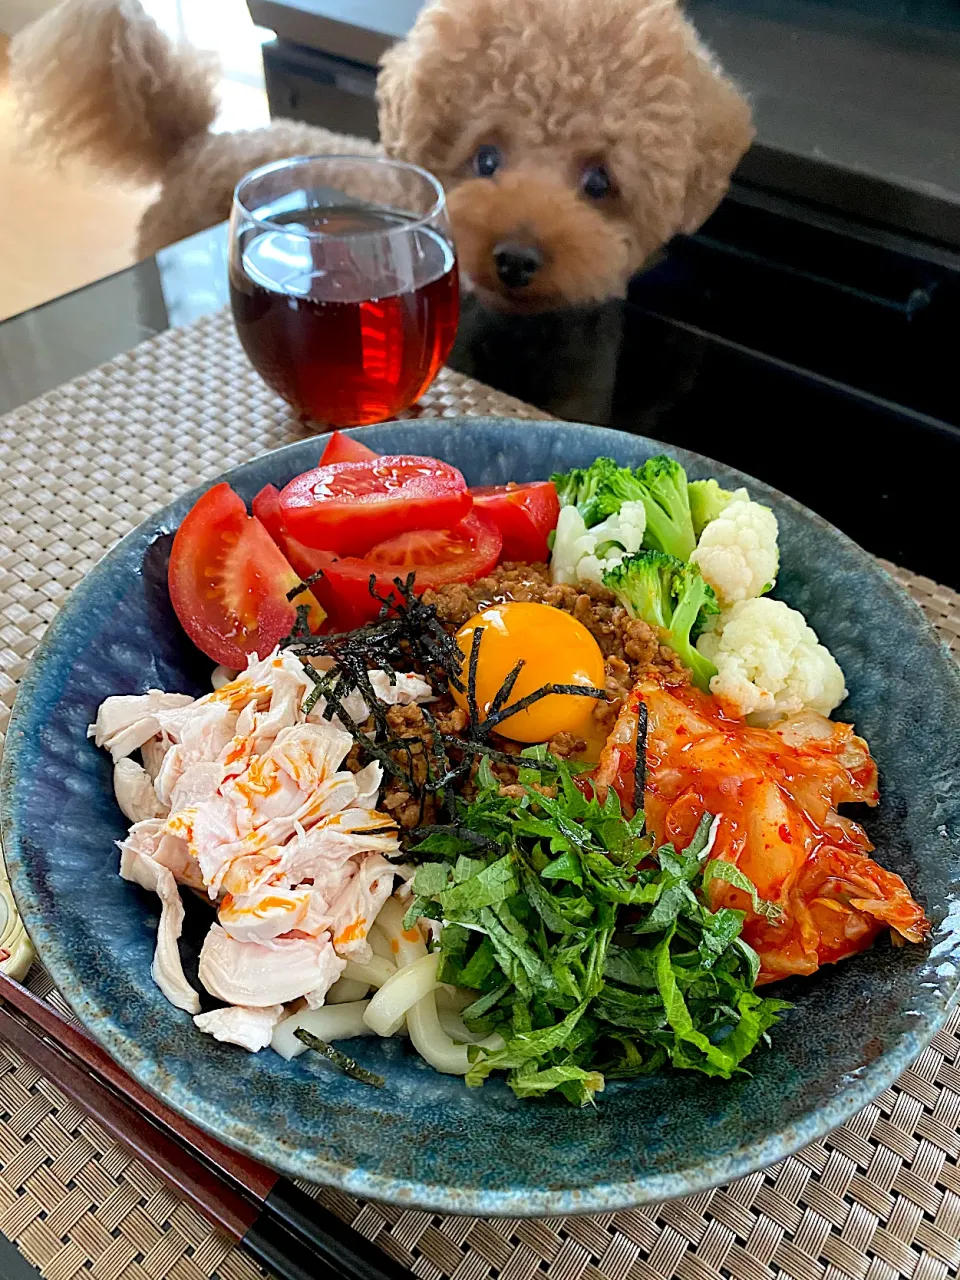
x,y
425,1139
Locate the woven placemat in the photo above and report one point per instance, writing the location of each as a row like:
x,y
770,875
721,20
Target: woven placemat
x,y
878,1200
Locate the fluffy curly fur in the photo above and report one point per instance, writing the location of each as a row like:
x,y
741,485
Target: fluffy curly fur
x,y
98,79
556,85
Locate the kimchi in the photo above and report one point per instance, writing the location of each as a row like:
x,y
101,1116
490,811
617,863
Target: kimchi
x,y
775,793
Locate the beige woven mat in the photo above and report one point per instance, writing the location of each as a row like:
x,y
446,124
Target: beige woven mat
x,y
879,1200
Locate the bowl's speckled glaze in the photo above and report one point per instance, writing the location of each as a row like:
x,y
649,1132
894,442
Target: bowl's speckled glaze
x,y
425,1139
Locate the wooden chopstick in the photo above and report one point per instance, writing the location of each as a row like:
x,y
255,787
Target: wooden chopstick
x,y
228,1210
283,1215
254,1177
241,1219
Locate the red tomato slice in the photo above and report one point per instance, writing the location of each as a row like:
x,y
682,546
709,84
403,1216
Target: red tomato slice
x,y
347,608
434,556
266,507
229,581
439,556
347,507
341,448
524,514
343,590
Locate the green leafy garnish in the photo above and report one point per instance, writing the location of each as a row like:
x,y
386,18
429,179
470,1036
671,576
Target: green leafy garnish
x,y
591,953
718,870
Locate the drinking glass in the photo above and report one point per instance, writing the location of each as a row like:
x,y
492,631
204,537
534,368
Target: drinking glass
x,y
343,282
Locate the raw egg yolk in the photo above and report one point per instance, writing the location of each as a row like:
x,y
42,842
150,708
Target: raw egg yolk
x,y
555,649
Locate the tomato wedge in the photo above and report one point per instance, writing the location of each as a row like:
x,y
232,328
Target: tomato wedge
x,y
348,507
343,589
228,581
305,561
266,507
341,448
439,556
524,513
434,556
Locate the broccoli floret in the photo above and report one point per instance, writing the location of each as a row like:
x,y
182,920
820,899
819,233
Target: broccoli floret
x,y
642,583
672,596
663,489
597,491
707,500
568,485
694,604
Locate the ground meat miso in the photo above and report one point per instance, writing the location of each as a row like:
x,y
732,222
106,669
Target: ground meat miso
x,y
630,648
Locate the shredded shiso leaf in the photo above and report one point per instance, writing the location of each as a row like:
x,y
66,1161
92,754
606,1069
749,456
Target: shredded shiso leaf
x,y
591,953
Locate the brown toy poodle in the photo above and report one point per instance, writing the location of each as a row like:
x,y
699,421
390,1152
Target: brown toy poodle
x,y
574,137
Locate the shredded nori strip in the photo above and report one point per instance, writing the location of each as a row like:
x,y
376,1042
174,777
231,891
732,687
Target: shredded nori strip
x,y
505,690
466,834
640,767
406,628
346,1064
545,691
305,585
321,686
301,627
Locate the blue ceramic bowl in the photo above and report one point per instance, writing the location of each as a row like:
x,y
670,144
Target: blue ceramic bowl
x,y
425,1139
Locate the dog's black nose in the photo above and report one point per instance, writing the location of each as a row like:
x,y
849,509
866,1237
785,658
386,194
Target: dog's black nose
x,y
517,264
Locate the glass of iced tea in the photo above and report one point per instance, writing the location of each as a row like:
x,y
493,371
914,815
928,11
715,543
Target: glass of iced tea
x,y
343,282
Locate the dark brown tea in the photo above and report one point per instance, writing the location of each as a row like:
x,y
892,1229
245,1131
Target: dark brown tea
x,y
349,327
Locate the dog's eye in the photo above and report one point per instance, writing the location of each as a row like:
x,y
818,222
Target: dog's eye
x,y
486,161
596,182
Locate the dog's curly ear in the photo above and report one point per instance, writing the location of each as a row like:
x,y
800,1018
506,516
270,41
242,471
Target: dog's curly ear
x,y
391,97
411,86
723,132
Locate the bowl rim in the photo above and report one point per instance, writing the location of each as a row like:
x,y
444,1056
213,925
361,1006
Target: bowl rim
x,y
690,1179
434,213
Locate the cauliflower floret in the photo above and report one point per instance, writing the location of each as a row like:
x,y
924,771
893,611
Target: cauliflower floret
x,y
770,663
707,500
582,555
737,552
571,542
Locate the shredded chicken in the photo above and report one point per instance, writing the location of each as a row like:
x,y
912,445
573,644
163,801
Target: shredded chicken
x,y
243,797
124,723
167,968
261,974
358,903
233,1024
135,792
